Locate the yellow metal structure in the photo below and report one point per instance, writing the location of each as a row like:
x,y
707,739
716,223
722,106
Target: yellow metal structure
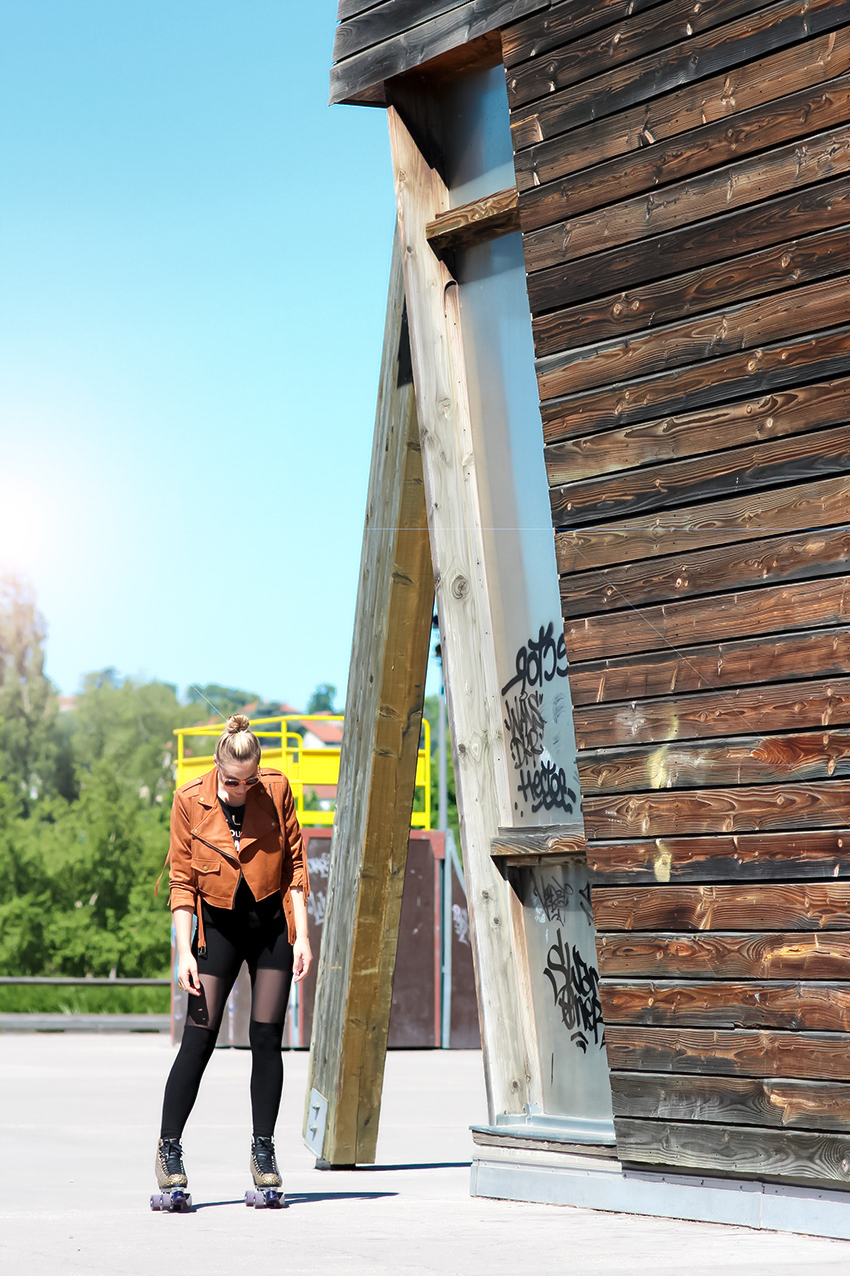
x,y
307,769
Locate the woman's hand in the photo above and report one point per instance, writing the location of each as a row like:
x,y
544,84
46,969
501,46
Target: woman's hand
x,y
187,973
303,958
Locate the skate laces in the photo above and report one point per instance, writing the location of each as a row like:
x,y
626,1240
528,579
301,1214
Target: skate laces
x,y
263,1153
172,1154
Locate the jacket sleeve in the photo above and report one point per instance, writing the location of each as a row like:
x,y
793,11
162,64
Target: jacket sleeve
x,y
295,842
180,877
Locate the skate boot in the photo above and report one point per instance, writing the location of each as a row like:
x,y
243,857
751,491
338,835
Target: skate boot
x,y
171,1177
267,1192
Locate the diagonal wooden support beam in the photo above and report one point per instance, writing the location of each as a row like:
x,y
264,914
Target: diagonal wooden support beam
x,y
466,628
383,716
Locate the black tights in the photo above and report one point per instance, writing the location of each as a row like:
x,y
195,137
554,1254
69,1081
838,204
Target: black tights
x,y
257,934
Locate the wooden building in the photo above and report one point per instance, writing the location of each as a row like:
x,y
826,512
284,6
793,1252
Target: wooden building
x,y
670,182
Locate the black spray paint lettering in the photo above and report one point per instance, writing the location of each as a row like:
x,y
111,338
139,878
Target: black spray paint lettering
x,y
525,725
575,985
554,898
540,660
584,903
547,789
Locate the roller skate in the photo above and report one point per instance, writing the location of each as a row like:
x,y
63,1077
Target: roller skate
x,y
267,1192
171,1177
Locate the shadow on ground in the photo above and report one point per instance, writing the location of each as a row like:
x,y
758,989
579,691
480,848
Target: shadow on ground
x,y
413,1165
297,1198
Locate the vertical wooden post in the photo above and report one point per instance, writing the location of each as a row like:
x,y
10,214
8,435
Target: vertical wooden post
x,y
469,661
383,716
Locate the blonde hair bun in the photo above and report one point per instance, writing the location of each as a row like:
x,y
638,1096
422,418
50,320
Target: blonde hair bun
x,y
237,742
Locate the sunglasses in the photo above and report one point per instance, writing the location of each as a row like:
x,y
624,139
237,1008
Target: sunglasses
x,y
230,783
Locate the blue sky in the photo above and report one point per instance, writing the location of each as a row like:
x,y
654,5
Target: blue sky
x,y
194,251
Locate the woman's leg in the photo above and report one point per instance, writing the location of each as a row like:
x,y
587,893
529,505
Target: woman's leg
x,y
271,977
217,971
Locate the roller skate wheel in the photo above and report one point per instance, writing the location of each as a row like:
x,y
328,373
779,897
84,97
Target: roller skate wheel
x,y
177,1202
265,1198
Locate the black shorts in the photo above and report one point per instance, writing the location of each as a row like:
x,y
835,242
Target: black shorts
x,y
253,932
250,931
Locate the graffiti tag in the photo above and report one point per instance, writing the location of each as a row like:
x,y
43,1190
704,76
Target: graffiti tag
x,y
316,902
575,986
460,921
554,898
540,660
525,724
547,788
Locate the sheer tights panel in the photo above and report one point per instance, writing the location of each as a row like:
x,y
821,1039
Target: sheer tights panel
x,y
257,935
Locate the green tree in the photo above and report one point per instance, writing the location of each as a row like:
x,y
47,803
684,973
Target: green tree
x,y
215,698
322,699
29,748
85,800
76,883
77,876
129,727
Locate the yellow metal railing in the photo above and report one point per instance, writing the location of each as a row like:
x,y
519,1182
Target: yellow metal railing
x,y
307,769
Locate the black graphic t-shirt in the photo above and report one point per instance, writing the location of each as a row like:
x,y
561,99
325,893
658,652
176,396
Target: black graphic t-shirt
x,y
265,912
234,816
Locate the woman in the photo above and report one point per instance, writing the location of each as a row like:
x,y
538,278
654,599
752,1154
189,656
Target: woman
x,y
238,864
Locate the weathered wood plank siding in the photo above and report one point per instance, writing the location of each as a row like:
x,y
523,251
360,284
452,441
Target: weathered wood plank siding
x,y
378,40
684,193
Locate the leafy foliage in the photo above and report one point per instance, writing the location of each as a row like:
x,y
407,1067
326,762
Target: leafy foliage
x,y
81,999
128,727
77,881
322,699
85,800
215,698
76,885
29,749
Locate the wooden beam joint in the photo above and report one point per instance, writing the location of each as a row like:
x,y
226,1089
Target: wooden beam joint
x,y
548,844
474,223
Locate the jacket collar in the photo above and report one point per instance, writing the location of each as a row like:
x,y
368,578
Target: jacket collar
x,y
260,815
208,792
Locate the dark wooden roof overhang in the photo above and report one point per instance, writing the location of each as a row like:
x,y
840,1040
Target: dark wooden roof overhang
x,y
376,41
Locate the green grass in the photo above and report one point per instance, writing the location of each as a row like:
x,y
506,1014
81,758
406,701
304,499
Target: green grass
x,y
66,999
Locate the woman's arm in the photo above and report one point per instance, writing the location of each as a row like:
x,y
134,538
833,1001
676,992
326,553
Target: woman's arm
x,y
182,893
181,884
301,948
294,841
187,967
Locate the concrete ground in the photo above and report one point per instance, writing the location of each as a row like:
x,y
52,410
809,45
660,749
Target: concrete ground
x,y
78,1123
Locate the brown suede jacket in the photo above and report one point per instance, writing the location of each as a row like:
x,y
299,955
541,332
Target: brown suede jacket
x,y
203,858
